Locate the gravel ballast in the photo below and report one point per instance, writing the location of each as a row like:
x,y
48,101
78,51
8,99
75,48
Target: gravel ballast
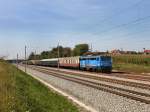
x,y
99,100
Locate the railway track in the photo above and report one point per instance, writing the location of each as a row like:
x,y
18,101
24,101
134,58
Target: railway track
x,y
126,75
99,78
140,77
131,94
135,77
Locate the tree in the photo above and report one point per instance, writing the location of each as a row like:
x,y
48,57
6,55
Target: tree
x,y
45,54
54,52
31,56
66,52
80,49
63,52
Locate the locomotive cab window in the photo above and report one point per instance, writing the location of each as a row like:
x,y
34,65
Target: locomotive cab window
x,y
107,58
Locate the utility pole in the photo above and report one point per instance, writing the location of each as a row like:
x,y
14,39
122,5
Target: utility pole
x,y
58,56
17,61
49,53
91,48
25,59
35,55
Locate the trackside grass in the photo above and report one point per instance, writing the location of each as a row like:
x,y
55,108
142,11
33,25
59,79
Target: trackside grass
x,y
132,59
19,92
132,63
131,68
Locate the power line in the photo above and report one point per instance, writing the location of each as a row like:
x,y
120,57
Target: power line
x,y
121,11
126,35
125,24
137,40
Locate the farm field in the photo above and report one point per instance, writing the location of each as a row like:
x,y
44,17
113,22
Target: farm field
x,y
22,93
131,68
132,63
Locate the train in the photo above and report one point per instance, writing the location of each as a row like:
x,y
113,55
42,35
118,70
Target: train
x,y
90,63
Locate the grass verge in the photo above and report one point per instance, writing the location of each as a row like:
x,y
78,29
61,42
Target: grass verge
x,y
19,92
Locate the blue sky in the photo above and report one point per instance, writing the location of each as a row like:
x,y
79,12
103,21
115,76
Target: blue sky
x,y
41,24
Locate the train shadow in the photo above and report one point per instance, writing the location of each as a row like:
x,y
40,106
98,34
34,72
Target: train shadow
x,y
120,72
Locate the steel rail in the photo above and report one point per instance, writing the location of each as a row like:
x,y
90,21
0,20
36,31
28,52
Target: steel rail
x,y
134,95
122,82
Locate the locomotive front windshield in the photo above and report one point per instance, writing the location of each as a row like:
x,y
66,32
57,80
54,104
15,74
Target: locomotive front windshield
x,y
106,58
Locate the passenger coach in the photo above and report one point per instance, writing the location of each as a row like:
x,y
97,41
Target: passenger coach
x,y
49,62
69,62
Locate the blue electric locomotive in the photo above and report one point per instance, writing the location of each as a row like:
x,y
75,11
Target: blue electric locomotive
x,y
96,63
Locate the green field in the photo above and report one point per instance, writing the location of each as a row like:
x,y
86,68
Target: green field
x,y
131,68
19,92
132,63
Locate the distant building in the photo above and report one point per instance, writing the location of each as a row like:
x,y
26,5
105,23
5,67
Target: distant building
x,y
130,52
146,51
117,51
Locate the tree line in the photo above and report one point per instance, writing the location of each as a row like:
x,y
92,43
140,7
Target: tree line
x,y
61,51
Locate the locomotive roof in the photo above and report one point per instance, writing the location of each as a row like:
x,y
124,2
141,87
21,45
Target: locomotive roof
x,y
70,57
94,56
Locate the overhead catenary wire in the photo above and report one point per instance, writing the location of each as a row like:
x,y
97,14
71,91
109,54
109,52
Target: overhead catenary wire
x,y
136,21
122,11
123,25
109,37
128,34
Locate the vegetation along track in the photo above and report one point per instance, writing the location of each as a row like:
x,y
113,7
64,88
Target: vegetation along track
x,y
99,78
134,95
